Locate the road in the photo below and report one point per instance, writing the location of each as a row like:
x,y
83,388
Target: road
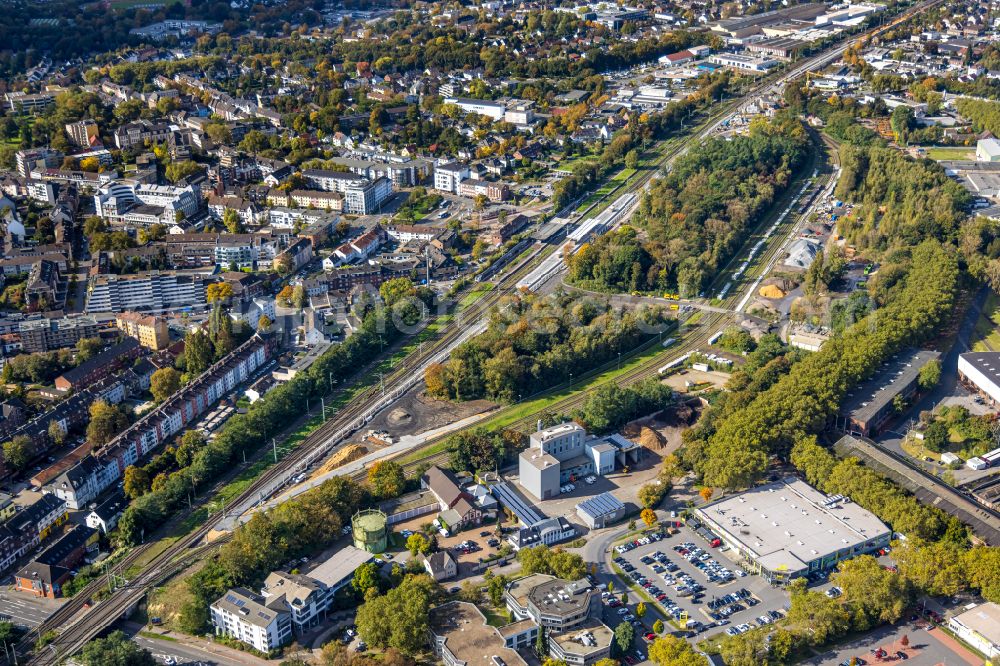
x,y
24,609
355,415
184,653
948,386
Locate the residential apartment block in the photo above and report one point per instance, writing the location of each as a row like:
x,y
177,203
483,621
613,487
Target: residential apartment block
x,y
153,291
106,466
151,331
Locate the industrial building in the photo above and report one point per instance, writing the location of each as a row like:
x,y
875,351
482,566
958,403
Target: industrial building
x,y
535,527
558,455
788,529
869,406
600,511
980,371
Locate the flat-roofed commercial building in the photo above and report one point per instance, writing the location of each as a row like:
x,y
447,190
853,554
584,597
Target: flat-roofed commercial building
x,y
553,603
981,372
979,626
584,645
460,636
788,529
868,406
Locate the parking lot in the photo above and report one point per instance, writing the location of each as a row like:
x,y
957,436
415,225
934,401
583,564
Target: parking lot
x,y
925,646
687,576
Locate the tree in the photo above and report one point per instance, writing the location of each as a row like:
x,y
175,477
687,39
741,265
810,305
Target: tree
x,y
284,296
674,651
418,543
399,618
87,348
198,352
191,442
904,641
299,297
386,479
264,323
640,609
495,588
624,634
164,383
651,494
366,577
632,159
19,452
56,433
873,594
658,627
936,436
747,649
218,292
648,516
106,421
554,562
115,650
137,482
929,375
706,493
231,220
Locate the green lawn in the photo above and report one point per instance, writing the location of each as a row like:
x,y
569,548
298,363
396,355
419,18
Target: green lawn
x,y
986,337
951,153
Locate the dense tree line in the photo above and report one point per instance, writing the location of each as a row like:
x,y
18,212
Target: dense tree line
x,y
698,215
900,201
266,418
900,510
731,449
534,342
609,406
871,595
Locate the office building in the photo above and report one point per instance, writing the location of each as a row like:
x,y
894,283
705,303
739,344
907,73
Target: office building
x,y
82,133
600,511
249,618
788,529
460,636
136,204
41,335
483,107
448,177
361,196
980,371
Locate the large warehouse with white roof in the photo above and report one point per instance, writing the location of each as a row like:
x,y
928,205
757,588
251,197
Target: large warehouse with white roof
x,y
788,529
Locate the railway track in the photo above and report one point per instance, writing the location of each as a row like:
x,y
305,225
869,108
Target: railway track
x,y
185,550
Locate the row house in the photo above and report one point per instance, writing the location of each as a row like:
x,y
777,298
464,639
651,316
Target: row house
x,y
29,527
178,412
73,412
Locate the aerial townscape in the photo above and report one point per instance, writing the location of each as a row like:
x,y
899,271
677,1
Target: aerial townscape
x,y
496,333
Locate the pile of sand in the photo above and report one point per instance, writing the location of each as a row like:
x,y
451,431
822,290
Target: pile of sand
x,y
349,453
651,439
771,291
